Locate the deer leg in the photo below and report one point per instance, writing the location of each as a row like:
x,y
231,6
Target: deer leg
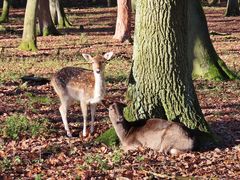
x,y
63,112
93,111
84,113
175,152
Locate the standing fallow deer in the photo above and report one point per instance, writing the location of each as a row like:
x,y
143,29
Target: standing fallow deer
x,y
157,134
86,86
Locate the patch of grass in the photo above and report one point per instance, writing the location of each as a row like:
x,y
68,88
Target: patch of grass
x,y
83,39
39,99
18,125
38,177
34,100
5,164
17,160
117,70
102,161
98,160
109,138
139,158
43,67
39,160
116,157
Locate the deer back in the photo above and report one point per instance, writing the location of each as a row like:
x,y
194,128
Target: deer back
x,y
157,134
74,82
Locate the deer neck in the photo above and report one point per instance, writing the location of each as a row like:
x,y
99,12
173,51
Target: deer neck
x,y
121,130
99,86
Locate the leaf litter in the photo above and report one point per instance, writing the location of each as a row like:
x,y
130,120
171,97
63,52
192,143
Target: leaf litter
x,y
52,155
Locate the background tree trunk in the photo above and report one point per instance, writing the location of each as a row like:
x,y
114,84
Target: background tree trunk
x,y
201,53
160,84
133,3
53,11
232,8
213,2
58,14
123,24
5,11
29,31
45,20
109,3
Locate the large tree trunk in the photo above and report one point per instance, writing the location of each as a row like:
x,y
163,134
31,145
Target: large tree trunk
x,y
58,14
201,53
160,83
123,24
29,30
5,11
232,8
45,20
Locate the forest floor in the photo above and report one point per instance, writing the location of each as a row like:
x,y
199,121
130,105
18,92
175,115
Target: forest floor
x,y
33,142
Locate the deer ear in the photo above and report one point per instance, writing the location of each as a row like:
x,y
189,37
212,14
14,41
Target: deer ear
x,y
88,57
108,55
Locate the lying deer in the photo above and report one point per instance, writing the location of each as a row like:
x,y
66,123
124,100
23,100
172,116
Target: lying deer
x,y
157,134
88,87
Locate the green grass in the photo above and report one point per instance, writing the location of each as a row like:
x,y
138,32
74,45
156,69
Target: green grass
x,y
102,161
18,125
116,69
5,164
98,159
35,100
38,177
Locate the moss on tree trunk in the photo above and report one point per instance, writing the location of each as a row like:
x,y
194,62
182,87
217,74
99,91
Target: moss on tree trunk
x,y
201,53
29,45
29,31
46,24
5,11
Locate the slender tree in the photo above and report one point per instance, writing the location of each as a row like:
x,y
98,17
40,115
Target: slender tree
x,y
123,24
232,8
5,11
58,15
201,53
46,24
29,32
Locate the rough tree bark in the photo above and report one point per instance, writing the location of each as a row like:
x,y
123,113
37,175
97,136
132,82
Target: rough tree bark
x,y
232,8
160,83
123,24
29,32
58,15
201,53
5,11
45,21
